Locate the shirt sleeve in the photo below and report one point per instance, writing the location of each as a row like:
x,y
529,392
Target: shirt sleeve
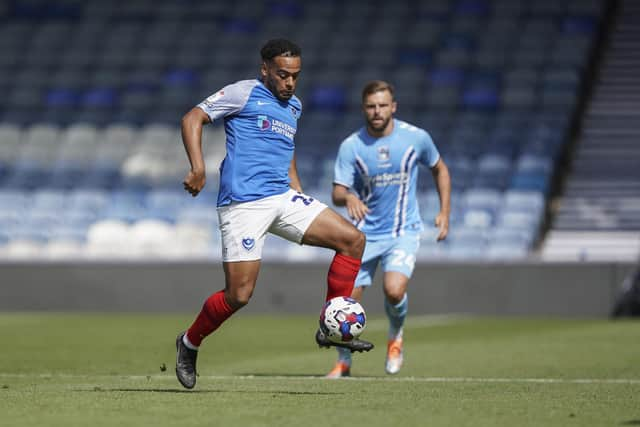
x,y
228,100
344,169
429,154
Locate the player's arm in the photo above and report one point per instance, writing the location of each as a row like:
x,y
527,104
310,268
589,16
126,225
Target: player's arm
x,y
442,180
294,179
192,123
341,196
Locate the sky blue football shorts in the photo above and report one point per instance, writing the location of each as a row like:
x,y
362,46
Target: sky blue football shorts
x,y
394,254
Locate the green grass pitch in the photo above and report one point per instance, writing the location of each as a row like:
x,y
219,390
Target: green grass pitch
x,y
107,370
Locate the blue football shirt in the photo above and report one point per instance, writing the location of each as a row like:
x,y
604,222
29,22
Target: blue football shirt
x,y
384,173
259,140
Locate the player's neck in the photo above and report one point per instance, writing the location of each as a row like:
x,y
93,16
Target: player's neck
x,y
381,133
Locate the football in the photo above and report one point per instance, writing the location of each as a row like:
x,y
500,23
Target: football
x,y
342,319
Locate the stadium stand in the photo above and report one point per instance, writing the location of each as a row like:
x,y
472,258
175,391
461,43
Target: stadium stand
x,y
598,215
90,155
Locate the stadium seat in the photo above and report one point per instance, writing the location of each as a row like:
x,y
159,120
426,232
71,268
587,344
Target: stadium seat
x,y
108,238
95,92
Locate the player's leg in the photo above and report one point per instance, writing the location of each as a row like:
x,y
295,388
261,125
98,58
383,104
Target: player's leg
x,y
395,305
243,228
396,301
240,281
398,265
331,230
240,278
307,221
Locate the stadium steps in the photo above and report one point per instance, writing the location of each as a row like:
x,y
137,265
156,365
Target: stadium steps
x,y
598,215
592,246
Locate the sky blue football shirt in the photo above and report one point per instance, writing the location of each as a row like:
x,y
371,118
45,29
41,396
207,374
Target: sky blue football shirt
x,y
384,172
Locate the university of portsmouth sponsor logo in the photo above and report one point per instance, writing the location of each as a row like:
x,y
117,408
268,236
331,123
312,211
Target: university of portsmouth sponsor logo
x,y
248,243
264,123
276,126
283,128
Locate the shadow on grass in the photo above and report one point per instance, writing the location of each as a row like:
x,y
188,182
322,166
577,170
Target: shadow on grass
x,y
177,390
148,390
631,423
271,375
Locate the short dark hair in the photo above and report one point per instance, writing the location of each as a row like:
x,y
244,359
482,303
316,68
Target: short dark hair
x,y
279,47
377,86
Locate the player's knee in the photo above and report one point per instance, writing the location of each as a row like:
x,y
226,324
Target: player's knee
x,y
354,242
240,296
239,299
394,296
360,241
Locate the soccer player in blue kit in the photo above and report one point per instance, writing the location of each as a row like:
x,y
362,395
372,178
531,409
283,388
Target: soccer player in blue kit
x,y
375,178
260,192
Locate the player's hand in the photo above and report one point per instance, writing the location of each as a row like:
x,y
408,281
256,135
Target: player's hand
x,y
194,182
442,222
355,207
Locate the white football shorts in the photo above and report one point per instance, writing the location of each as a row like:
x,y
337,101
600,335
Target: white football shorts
x,y
244,226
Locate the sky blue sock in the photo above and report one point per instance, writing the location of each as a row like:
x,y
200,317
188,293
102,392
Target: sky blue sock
x,y
344,355
396,315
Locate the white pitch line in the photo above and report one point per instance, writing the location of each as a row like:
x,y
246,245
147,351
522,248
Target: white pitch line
x,y
306,377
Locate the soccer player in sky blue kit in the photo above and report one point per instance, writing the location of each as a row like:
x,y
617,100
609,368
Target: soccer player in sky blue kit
x,y
260,192
376,173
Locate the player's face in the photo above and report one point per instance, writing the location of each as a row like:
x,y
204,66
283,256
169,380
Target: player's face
x,y
280,75
379,108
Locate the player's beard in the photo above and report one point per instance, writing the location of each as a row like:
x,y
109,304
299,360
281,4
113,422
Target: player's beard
x,y
378,127
282,95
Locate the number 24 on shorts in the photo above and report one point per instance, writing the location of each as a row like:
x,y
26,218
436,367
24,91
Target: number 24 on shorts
x,y
400,257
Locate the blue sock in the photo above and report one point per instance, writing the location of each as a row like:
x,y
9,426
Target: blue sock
x,y
396,315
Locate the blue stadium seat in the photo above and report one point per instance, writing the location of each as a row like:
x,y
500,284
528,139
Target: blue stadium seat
x,y
530,181
476,8
100,98
103,177
331,98
447,76
524,200
181,77
414,56
88,200
62,98
480,218
27,177
65,232
288,9
481,97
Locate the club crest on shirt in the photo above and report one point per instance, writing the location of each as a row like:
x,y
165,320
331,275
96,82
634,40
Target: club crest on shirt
x,y
248,243
264,123
384,157
294,112
383,154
